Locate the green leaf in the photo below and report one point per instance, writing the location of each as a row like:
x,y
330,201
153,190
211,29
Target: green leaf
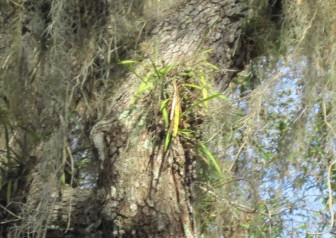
x,y
202,78
206,52
147,78
130,66
186,132
216,95
244,225
192,86
165,116
165,70
209,65
176,120
209,156
164,103
204,159
126,62
267,155
189,74
143,88
167,141
157,73
145,85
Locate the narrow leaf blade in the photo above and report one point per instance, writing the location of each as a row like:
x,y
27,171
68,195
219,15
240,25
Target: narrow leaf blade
x,y
210,158
167,141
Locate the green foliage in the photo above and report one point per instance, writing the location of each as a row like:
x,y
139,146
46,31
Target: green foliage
x,y
209,158
179,101
253,142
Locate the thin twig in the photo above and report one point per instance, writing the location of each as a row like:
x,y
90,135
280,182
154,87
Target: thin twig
x,y
16,4
8,211
237,155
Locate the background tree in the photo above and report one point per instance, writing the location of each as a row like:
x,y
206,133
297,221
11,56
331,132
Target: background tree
x,y
177,118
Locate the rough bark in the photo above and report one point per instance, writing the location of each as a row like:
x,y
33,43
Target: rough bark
x,y
144,190
144,194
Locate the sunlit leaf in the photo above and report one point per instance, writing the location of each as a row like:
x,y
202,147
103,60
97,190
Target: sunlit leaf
x,y
192,86
126,62
202,78
165,70
214,67
176,106
165,116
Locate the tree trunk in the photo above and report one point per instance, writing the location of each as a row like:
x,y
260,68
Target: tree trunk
x,y
144,189
143,192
